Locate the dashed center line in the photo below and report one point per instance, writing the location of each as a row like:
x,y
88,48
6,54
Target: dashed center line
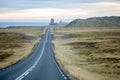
x,y
35,64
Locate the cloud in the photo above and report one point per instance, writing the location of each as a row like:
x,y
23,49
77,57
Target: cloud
x,y
6,10
71,10
28,4
96,1
42,13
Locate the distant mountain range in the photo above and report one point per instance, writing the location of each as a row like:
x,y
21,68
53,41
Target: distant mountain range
x,y
112,21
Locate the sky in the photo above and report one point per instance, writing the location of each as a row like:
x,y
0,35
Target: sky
x,y
66,10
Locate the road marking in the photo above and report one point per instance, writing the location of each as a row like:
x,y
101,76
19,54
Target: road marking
x,y
65,78
35,64
60,70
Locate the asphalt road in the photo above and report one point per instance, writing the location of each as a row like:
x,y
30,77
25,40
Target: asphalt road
x,y
39,65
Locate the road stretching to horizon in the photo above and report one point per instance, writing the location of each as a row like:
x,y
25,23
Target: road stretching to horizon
x,y
39,65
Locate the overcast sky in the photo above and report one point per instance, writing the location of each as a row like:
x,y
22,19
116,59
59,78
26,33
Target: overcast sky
x,y
66,10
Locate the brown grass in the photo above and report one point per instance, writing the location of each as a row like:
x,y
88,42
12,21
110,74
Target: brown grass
x,y
17,43
95,51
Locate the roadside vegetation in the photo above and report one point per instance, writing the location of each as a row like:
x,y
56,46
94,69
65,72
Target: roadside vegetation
x,y
94,50
112,21
17,43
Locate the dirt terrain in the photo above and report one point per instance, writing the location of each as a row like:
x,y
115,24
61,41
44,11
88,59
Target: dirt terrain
x,y
88,53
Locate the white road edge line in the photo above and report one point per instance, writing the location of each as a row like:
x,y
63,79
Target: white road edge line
x,y
60,70
34,65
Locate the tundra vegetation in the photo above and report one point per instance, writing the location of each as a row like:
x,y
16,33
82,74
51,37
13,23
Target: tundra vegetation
x,y
17,43
96,51
112,21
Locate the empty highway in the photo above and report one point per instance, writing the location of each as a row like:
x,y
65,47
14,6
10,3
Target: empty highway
x,y
39,65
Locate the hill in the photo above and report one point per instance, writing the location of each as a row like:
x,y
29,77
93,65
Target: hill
x,y
113,21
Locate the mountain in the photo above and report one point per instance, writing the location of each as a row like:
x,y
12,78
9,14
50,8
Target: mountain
x,y
112,21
